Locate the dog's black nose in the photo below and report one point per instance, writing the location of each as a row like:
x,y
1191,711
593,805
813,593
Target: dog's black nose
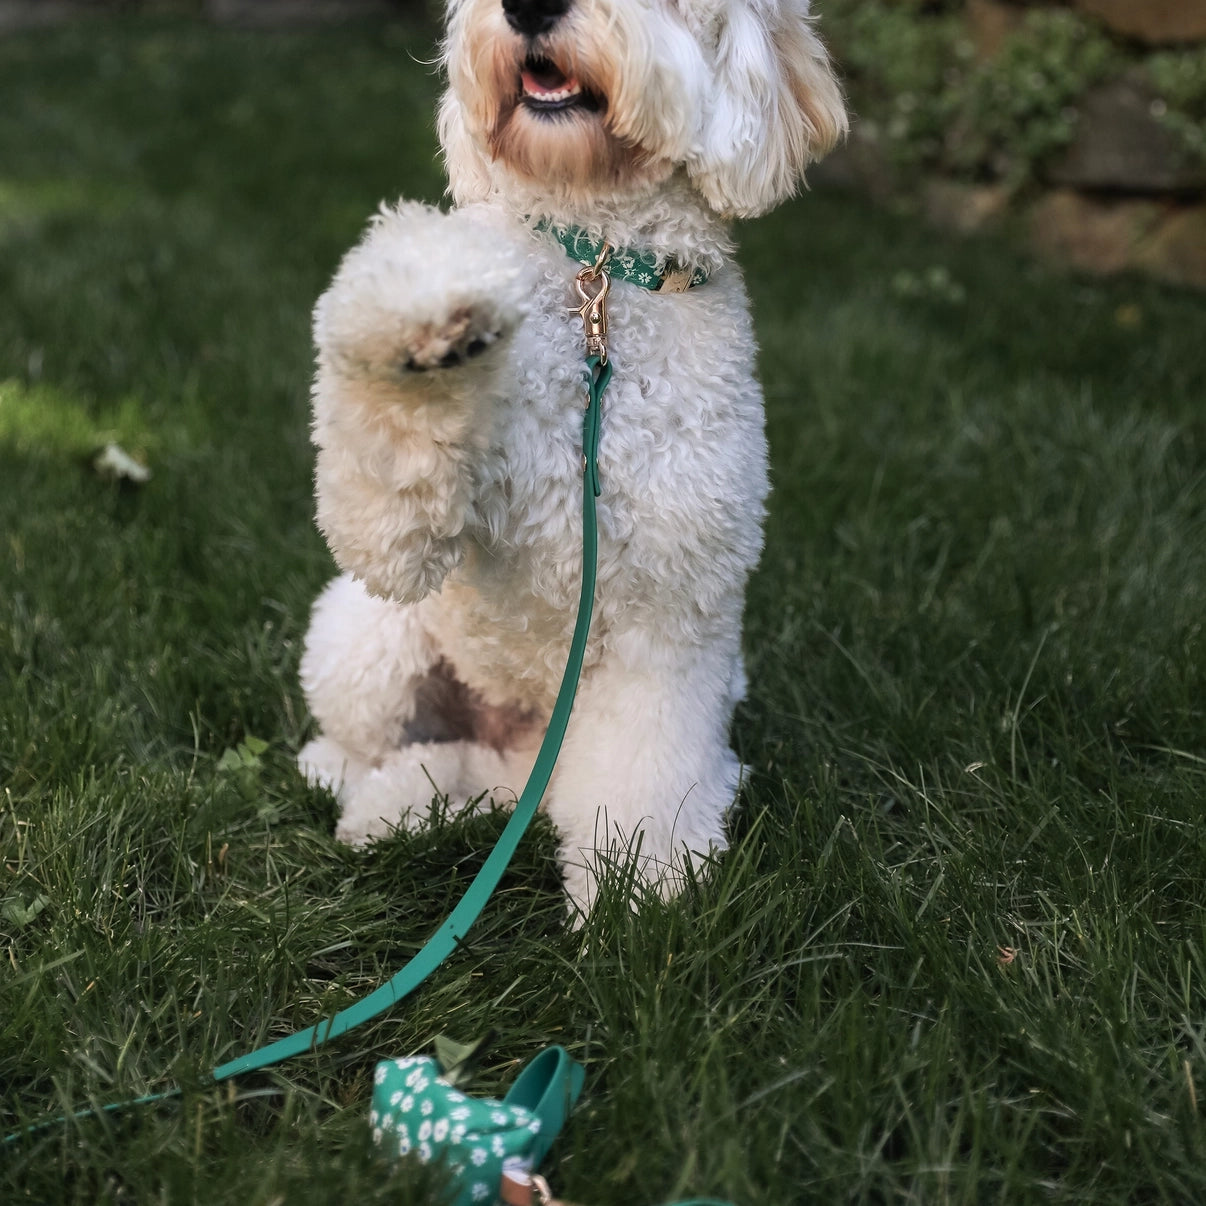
x,y
532,17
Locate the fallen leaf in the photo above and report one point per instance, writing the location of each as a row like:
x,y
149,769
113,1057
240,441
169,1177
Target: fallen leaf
x,y
115,462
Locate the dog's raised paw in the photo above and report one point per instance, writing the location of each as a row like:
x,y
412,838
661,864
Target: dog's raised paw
x,y
449,344
425,291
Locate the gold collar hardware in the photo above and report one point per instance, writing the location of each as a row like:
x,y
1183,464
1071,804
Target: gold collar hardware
x,y
593,307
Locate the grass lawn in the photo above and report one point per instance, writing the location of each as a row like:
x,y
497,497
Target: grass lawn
x,y
977,708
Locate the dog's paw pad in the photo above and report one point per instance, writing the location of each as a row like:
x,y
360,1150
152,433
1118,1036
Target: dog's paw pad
x,y
448,344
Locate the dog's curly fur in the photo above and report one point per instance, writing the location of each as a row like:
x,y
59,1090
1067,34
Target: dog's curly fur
x,y
447,415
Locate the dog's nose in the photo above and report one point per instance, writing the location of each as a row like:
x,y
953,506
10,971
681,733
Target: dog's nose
x,y
532,17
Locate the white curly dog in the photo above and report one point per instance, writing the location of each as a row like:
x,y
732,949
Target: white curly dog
x,y
448,420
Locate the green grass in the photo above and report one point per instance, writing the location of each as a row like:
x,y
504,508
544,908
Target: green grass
x,y
978,682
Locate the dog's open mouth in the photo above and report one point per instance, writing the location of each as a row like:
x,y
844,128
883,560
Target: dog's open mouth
x,y
547,89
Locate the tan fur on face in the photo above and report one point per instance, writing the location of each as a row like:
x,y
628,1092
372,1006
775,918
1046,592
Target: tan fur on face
x,y
578,151
573,149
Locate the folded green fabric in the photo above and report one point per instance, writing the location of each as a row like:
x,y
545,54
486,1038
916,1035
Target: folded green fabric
x,y
415,1111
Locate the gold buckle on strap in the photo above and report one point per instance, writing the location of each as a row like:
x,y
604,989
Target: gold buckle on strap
x,y
520,1188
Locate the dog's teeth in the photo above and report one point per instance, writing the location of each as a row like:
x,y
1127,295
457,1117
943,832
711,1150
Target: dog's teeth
x,y
559,95
545,84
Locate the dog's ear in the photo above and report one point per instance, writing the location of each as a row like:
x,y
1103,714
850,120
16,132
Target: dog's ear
x,y
468,172
776,107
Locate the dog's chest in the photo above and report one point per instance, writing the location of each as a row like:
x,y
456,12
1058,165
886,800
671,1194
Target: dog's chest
x,y
682,455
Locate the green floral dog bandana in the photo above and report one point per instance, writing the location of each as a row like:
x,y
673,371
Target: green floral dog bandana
x,y
414,1111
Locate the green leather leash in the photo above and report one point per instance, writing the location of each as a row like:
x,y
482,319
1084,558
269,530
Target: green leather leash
x,y
449,935
446,939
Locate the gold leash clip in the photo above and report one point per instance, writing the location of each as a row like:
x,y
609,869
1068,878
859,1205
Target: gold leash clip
x,y
593,310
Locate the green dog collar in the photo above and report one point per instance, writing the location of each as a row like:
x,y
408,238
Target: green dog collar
x,y
625,263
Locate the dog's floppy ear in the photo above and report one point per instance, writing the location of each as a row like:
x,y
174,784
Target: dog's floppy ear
x,y
776,107
468,173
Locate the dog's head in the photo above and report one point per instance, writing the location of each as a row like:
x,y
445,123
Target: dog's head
x,y
589,98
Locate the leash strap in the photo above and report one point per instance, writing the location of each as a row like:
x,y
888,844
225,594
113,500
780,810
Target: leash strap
x,y
445,940
415,1111
550,1084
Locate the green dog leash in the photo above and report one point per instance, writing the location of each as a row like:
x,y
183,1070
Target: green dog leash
x,y
559,1077
445,940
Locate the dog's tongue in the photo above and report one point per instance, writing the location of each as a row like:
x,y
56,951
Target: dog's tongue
x,y
547,79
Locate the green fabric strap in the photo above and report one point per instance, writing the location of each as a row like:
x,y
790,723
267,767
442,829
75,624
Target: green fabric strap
x,y
416,1112
479,1140
625,263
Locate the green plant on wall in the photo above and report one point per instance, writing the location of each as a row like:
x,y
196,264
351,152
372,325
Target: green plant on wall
x,y
904,68
1179,79
923,97
1019,107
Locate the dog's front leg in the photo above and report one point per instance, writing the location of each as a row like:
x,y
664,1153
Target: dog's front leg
x,y
410,337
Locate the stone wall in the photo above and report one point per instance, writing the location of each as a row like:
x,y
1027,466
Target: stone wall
x,y
1119,192
1151,21
1120,188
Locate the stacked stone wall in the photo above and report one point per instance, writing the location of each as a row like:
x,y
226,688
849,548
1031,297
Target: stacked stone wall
x,y
1104,177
